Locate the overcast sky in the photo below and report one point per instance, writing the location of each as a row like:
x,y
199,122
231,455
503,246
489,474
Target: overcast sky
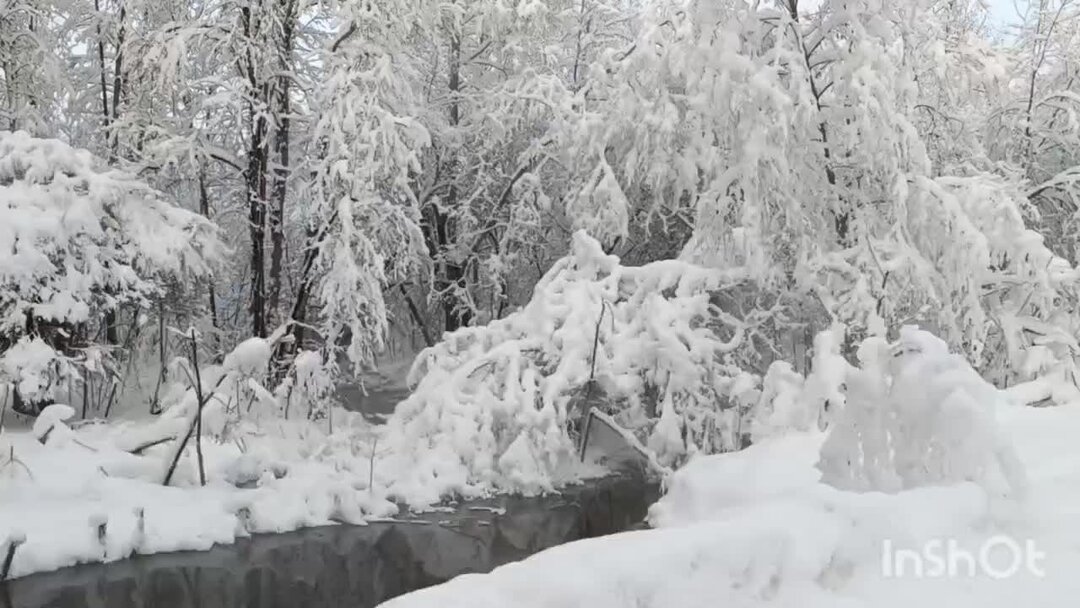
x,y
1005,12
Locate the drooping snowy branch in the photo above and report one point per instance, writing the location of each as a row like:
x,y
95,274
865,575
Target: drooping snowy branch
x,y
493,405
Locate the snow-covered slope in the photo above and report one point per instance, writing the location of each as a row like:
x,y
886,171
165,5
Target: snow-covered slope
x,y
757,528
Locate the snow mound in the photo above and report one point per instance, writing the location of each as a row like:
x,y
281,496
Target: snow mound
x,y
773,468
914,415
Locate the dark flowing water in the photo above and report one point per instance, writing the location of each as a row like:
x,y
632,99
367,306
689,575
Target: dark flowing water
x,y
344,566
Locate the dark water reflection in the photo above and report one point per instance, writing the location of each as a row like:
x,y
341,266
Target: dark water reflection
x,y
343,566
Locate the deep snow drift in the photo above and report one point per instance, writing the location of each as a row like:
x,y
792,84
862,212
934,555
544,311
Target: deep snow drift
x,y
762,527
758,528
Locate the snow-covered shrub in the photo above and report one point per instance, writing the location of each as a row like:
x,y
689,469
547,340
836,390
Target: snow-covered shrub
x,y
914,415
780,405
966,265
789,402
33,368
231,391
81,240
493,404
308,388
244,402
241,394
49,426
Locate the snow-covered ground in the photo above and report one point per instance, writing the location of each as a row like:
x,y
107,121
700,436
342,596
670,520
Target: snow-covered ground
x,y
84,498
95,492
758,528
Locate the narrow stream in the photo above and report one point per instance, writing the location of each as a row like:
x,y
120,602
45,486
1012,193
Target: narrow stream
x,y
344,566
347,566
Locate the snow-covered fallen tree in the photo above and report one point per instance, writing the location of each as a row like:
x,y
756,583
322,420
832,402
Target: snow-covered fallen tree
x,y
495,406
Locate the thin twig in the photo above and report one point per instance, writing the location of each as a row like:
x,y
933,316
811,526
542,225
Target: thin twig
x,y
13,544
371,468
12,461
595,346
198,412
139,449
8,388
184,441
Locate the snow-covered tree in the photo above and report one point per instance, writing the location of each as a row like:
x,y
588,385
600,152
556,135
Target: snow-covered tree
x,y
793,139
82,240
1034,129
31,73
492,77
361,216
229,88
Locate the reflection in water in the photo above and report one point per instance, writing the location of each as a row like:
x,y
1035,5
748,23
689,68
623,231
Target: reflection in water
x,y
344,566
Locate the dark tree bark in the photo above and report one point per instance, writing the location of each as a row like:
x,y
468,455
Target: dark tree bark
x,y
256,194
281,148
204,209
439,223
841,217
418,318
118,83
255,178
111,333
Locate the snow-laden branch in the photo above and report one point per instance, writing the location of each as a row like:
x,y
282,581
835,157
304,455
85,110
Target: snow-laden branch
x,y
494,406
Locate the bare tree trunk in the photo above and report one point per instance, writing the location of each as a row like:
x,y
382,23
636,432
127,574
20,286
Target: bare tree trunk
x,y
111,335
298,316
418,318
198,411
841,218
255,176
452,284
101,64
155,400
118,83
281,148
204,209
256,192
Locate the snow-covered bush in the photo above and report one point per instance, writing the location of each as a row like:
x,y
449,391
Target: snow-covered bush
x,y
241,394
914,415
79,241
33,367
789,402
244,400
649,344
909,414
